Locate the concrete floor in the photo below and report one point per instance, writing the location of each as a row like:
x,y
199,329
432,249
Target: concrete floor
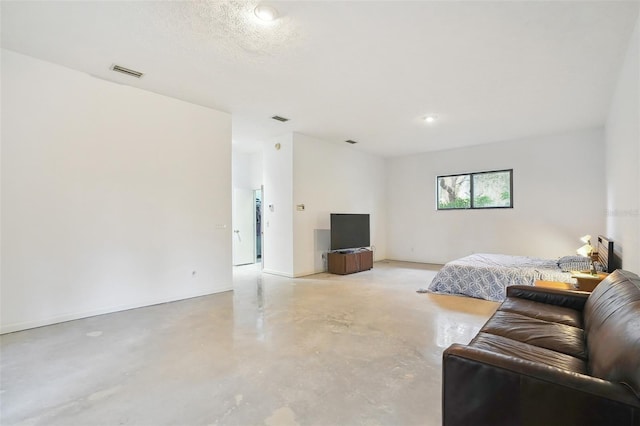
x,y
362,349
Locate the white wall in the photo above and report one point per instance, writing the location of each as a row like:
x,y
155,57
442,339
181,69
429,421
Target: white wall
x,y
623,160
278,193
111,196
333,178
246,170
558,196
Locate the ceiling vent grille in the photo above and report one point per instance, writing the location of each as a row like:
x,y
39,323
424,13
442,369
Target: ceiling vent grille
x,y
127,71
278,118
352,142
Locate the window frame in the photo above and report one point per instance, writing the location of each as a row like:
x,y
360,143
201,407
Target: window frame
x,y
471,191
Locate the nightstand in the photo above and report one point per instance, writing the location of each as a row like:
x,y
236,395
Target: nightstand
x,y
555,284
586,281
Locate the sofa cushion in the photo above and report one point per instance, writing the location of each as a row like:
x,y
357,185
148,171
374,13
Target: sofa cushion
x,y
551,296
520,350
550,335
612,329
543,311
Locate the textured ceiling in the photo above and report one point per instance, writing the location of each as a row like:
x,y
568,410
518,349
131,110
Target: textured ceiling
x,y
367,71
230,29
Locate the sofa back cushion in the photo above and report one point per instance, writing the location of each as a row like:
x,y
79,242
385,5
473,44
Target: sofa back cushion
x,y
612,329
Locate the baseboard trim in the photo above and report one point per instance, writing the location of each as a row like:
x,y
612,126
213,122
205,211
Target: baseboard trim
x,y
281,274
306,274
26,325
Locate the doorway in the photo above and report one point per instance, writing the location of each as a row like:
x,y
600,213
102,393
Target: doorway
x,y
257,196
243,227
248,233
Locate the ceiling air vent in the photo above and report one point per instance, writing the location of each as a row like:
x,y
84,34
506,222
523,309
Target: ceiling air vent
x,y
127,71
282,119
351,141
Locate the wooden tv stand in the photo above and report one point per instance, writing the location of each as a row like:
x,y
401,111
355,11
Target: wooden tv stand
x,y
350,263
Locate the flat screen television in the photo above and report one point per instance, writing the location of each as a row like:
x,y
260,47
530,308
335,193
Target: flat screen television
x,y
349,231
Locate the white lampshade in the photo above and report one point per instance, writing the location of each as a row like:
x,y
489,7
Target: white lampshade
x,y
585,250
586,239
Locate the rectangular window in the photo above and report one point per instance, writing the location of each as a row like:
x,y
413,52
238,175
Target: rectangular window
x,y
482,190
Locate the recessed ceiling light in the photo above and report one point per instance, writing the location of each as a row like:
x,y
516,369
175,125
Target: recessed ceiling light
x,y
266,13
430,118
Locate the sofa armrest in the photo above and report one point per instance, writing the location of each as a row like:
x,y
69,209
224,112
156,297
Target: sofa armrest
x,y
552,296
485,388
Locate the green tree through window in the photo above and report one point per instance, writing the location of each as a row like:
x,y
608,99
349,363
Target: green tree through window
x,y
475,190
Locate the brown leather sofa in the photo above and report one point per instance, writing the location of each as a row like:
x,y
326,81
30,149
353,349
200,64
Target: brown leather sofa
x,y
551,357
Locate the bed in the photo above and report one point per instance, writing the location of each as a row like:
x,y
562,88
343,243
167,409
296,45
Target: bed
x,y
486,276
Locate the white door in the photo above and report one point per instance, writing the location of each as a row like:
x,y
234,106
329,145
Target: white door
x,y
243,228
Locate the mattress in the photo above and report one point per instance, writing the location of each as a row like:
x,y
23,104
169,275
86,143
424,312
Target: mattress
x,y
486,276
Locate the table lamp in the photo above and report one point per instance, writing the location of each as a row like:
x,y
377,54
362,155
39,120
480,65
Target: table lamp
x,y
587,251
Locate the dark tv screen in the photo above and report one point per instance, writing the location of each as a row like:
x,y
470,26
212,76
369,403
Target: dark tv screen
x,y
349,231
